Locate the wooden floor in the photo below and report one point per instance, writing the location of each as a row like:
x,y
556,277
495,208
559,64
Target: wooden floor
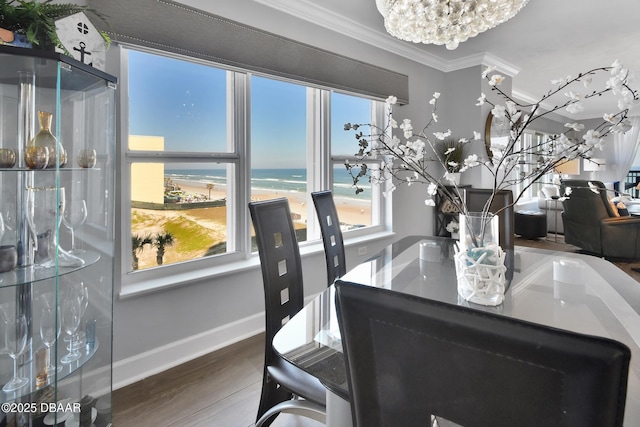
x,y
219,389
223,388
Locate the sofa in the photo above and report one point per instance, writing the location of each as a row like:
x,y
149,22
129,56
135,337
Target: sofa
x,y
592,223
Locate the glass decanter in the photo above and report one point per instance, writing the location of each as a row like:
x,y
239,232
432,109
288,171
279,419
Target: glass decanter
x,y
44,138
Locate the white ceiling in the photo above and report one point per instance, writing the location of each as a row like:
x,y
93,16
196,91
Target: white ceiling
x,y
548,39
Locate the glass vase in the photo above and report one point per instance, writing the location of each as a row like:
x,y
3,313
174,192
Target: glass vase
x,y
44,138
480,261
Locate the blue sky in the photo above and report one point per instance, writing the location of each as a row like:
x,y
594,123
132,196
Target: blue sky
x,y
186,103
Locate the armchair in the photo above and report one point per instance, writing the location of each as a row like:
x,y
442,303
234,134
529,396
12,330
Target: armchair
x,y
591,224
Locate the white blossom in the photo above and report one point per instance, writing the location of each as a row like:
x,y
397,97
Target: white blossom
x,y
574,108
616,67
573,95
432,189
499,112
481,100
622,127
471,161
442,135
407,127
496,80
391,100
488,70
434,116
511,108
561,81
429,202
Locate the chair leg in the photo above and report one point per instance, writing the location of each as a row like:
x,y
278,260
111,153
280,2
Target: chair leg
x,y
295,407
272,395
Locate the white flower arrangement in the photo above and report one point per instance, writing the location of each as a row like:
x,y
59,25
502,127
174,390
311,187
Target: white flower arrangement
x,y
409,161
453,226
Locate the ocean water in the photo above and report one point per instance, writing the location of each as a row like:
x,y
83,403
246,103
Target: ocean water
x,y
280,180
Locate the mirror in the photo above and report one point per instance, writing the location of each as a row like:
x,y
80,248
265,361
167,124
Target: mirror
x,y
496,132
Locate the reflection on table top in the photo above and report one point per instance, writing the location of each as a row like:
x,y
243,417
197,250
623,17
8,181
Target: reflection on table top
x,y
576,292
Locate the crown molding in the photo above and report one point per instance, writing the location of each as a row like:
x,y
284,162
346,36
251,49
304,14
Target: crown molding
x,y
336,22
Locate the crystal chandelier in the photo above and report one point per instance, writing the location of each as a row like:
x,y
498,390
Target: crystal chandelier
x,y
447,22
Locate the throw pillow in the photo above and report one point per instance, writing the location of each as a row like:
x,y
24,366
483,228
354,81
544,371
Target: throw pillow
x,y
622,209
614,209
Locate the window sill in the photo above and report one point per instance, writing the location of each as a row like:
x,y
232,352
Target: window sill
x,y
170,281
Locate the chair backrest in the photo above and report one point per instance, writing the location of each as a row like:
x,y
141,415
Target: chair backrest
x,y
409,358
331,234
476,198
280,262
586,204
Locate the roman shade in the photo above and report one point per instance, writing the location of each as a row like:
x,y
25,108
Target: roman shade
x,y
174,27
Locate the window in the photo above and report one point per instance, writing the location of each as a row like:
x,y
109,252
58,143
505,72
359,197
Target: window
x,y
192,129
354,211
531,145
278,146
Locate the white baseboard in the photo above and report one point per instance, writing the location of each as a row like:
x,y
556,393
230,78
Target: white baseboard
x,y
143,365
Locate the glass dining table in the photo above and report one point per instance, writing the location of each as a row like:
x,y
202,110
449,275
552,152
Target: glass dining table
x,y
571,291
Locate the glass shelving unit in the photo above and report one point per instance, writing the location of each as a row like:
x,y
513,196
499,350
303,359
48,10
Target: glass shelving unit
x,y
52,287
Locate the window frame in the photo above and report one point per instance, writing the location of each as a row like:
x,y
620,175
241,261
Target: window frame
x,y
531,139
319,176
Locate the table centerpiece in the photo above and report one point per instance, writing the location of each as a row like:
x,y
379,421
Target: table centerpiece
x,y
416,157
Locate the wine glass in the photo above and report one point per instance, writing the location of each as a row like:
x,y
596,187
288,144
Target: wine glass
x,y
1,226
75,215
15,339
49,332
80,291
70,322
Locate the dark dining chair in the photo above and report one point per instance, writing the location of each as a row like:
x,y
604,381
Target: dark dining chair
x,y
331,234
283,384
410,359
476,198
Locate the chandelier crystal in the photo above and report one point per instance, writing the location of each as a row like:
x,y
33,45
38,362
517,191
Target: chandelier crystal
x,y
444,22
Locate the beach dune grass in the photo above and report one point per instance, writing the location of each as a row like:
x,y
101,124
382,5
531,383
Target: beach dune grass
x,y
197,233
191,239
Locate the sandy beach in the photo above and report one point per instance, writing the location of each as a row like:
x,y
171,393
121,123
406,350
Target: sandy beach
x,y
147,221
351,211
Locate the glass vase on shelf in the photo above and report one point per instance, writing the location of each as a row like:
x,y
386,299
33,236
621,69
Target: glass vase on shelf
x,y
44,138
480,262
44,223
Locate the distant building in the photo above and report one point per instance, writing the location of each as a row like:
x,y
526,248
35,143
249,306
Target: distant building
x,y
147,179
